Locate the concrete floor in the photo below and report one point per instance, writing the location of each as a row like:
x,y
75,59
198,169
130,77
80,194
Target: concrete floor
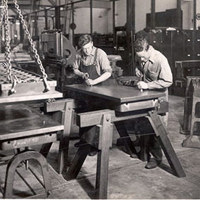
x,y
128,179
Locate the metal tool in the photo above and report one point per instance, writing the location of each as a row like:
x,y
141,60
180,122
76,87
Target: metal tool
x,y
86,76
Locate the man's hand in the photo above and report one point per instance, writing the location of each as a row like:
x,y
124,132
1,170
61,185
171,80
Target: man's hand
x,y
85,76
142,85
90,82
138,73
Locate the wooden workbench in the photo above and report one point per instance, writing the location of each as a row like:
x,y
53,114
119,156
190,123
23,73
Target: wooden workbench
x,y
22,127
129,103
116,93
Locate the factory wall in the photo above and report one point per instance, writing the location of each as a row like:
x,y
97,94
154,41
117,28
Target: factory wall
x,y
144,7
100,20
103,19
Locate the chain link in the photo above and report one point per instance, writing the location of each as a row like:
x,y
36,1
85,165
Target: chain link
x,y
2,15
1,25
10,77
7,42
34,50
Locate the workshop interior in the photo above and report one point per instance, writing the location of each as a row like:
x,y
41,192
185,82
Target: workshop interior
x,y
64,137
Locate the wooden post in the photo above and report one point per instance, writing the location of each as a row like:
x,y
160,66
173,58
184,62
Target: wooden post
x,y
46,19
114,36
153,14
179,17
194,14
130,31
57,17
91,17
165,143
72,7
105,142
66,106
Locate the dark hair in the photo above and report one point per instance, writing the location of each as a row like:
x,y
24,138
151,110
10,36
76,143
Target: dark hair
x,y
141,41
84,39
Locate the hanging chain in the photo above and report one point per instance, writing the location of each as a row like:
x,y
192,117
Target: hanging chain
x,y
2,15
1,25
34,50
7,41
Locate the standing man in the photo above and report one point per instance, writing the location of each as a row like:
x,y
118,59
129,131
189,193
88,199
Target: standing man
x,y
92,63
93,67
154,72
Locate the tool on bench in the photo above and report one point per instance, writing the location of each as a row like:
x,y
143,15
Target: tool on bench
x,y
86,76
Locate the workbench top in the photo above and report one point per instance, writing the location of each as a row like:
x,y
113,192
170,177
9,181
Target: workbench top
x,y
116,93
19,120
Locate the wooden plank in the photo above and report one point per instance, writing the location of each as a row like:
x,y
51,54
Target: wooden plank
x,y
91,135
77,162
24,98
24,121
58,105
28,141
30,132
128,144
95,117
166,144
105,140
64,141
92,118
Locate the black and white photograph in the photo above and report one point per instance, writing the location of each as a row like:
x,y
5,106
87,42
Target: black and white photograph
x,y
100,99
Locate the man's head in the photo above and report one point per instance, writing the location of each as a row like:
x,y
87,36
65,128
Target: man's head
x,y
141,45
86,44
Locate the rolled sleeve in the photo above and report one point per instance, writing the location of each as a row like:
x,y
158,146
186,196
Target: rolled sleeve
x,y
76,63
103,62
165,78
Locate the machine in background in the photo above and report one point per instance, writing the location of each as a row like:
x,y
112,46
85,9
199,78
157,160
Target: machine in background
x,y
59,54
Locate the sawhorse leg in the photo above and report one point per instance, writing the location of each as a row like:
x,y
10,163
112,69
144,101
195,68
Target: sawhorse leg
x,y
64,140
120,126
165,143
104,143
66,106
78,161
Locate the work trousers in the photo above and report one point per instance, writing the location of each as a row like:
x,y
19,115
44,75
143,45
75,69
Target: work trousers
x,y
148,141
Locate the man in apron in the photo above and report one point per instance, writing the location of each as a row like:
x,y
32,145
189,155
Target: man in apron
x,y
155,74
93,68
92,63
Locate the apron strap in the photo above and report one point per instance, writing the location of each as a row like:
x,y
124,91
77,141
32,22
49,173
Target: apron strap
x,y
95,57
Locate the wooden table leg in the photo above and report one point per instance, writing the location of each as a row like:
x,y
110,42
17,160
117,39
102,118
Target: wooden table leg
x,y
165,143
105,142
64,140
78,161
128,144
66,106
45,149
105,133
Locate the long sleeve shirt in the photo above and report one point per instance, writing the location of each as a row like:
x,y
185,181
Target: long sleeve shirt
x,y
156,71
